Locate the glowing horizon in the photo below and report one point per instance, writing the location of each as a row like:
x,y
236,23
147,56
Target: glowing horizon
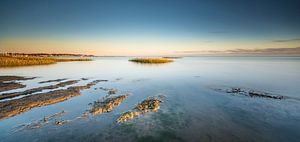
x,y
141,47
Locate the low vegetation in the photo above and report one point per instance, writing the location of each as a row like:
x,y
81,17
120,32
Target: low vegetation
x,y
11,61
151,60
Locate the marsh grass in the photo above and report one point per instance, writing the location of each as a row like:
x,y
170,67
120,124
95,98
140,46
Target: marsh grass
x,y
7,61
151,60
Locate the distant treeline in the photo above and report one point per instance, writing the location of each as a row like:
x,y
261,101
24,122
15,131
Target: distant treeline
x,y
42,54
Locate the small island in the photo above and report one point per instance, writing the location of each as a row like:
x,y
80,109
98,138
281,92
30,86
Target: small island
x,y
151,60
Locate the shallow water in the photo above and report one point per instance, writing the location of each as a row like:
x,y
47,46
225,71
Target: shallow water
x,y
191,110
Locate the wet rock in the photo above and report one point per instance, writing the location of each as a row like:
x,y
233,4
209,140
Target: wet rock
x,y
264,95
55,80
85,115
9,82
14,107
14,78
39,89
148,105
248,92
128,116
235,90
107,105
61,122
10,86
40,123
110,91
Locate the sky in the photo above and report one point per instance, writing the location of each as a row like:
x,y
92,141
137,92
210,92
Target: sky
x,y
150,27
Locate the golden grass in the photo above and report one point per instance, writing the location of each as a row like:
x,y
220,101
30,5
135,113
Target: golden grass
x,y
151,60
7,61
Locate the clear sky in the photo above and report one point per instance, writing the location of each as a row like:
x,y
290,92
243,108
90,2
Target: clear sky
x,y
150,27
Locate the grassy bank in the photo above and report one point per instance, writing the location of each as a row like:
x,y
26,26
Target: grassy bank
x,y
151,60
6,61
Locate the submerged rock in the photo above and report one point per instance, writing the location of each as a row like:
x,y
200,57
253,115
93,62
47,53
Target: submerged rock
x,y
110,91
40,123
248,92
107,105
264,95
149,105
235,90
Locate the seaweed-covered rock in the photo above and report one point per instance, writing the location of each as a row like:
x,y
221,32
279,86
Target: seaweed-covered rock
x,y
107,105
128,116
149,105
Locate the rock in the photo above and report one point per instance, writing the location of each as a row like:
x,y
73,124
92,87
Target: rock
x,y
61,122
128,116
107,105
14,78
14,107
234,90
112,91
55,80
249,92
149,105
39,89
9,82
10,86
264,95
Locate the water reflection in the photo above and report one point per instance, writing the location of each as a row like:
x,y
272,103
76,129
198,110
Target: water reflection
x,y
191,110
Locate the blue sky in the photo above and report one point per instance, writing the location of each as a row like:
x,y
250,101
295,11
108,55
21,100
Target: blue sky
x,y
201,20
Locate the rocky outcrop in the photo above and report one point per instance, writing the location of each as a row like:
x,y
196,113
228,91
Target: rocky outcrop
x,y
39,89
148,105
14,78
14,107
10,86
9,82
107,105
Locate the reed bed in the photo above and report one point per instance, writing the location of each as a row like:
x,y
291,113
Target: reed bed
x,y
151,60
7,61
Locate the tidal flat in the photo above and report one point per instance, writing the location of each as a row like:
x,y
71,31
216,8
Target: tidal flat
x,y
253,99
